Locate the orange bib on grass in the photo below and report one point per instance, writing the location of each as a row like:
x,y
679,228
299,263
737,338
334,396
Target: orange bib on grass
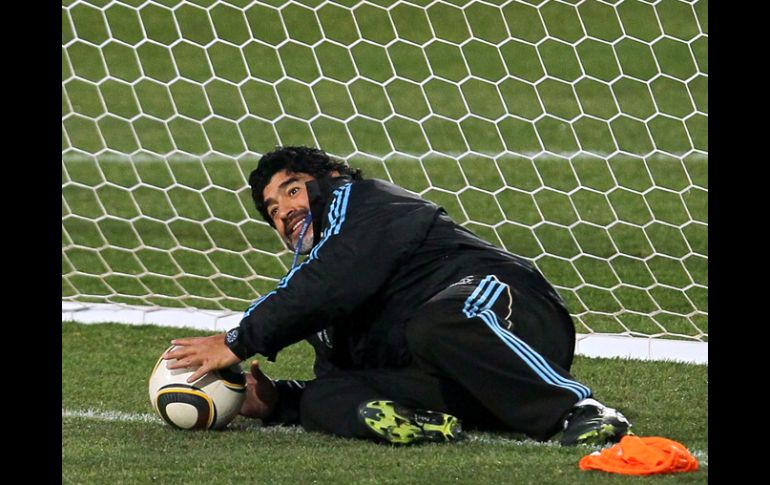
x,y
641,456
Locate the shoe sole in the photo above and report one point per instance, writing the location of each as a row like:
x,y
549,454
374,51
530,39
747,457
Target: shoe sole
x,y
607,433
382,418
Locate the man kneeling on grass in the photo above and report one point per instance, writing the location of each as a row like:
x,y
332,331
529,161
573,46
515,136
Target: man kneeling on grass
x,y
417,324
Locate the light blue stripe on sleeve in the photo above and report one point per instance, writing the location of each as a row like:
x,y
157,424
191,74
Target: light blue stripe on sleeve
x,y
336,217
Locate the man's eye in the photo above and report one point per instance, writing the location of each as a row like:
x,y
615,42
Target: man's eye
x,y
293,190
273,212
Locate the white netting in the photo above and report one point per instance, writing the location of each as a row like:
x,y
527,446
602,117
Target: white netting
x,y
571,133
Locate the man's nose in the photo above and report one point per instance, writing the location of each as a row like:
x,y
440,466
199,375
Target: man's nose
x,y
286,213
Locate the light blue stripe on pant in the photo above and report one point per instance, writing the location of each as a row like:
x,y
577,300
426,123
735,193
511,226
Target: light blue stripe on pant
x,y
480,304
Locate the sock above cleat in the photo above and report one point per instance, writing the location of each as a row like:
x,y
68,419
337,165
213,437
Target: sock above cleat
x,y
589,401
396,424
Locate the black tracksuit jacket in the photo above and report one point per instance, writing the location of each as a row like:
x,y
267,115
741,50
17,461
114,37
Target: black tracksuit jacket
x,y
380,252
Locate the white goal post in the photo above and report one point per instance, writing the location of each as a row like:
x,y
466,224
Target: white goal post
x,y
573,133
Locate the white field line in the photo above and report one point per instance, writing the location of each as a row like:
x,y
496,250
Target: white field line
x,y
110,416
483,438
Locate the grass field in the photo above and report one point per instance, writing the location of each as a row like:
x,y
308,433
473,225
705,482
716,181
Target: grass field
x,y
110,435
575,135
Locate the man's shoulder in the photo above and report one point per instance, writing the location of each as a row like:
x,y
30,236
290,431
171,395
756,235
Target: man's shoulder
x,y
385,188
386,200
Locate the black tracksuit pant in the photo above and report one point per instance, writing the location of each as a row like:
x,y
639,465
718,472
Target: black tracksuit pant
x,y
496,357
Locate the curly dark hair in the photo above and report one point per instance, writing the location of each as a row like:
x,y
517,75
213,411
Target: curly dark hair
x,y
293,159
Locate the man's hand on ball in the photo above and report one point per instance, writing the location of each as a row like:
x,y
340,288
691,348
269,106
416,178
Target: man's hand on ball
x,y
205,353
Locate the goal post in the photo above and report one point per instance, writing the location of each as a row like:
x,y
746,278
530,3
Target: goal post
x,y
572,133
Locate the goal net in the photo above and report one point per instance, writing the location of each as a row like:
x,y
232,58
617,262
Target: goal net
x,y
573,133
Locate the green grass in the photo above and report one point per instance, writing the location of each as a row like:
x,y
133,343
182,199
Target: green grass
x,y
586,155
616,231
105,368
159,96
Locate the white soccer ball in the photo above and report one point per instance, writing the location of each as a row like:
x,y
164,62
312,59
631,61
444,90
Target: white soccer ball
x,y
211,402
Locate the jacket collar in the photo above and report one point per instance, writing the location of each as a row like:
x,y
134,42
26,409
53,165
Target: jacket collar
x,y
320,197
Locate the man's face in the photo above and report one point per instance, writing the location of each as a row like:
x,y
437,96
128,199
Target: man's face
x,y
287,204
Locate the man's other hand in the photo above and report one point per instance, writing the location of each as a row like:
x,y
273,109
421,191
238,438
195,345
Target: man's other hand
x,y
261,394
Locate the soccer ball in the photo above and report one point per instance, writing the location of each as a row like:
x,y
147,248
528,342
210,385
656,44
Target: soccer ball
x,y
211,402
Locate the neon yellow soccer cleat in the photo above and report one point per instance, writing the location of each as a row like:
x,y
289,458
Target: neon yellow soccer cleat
x,y
400,425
